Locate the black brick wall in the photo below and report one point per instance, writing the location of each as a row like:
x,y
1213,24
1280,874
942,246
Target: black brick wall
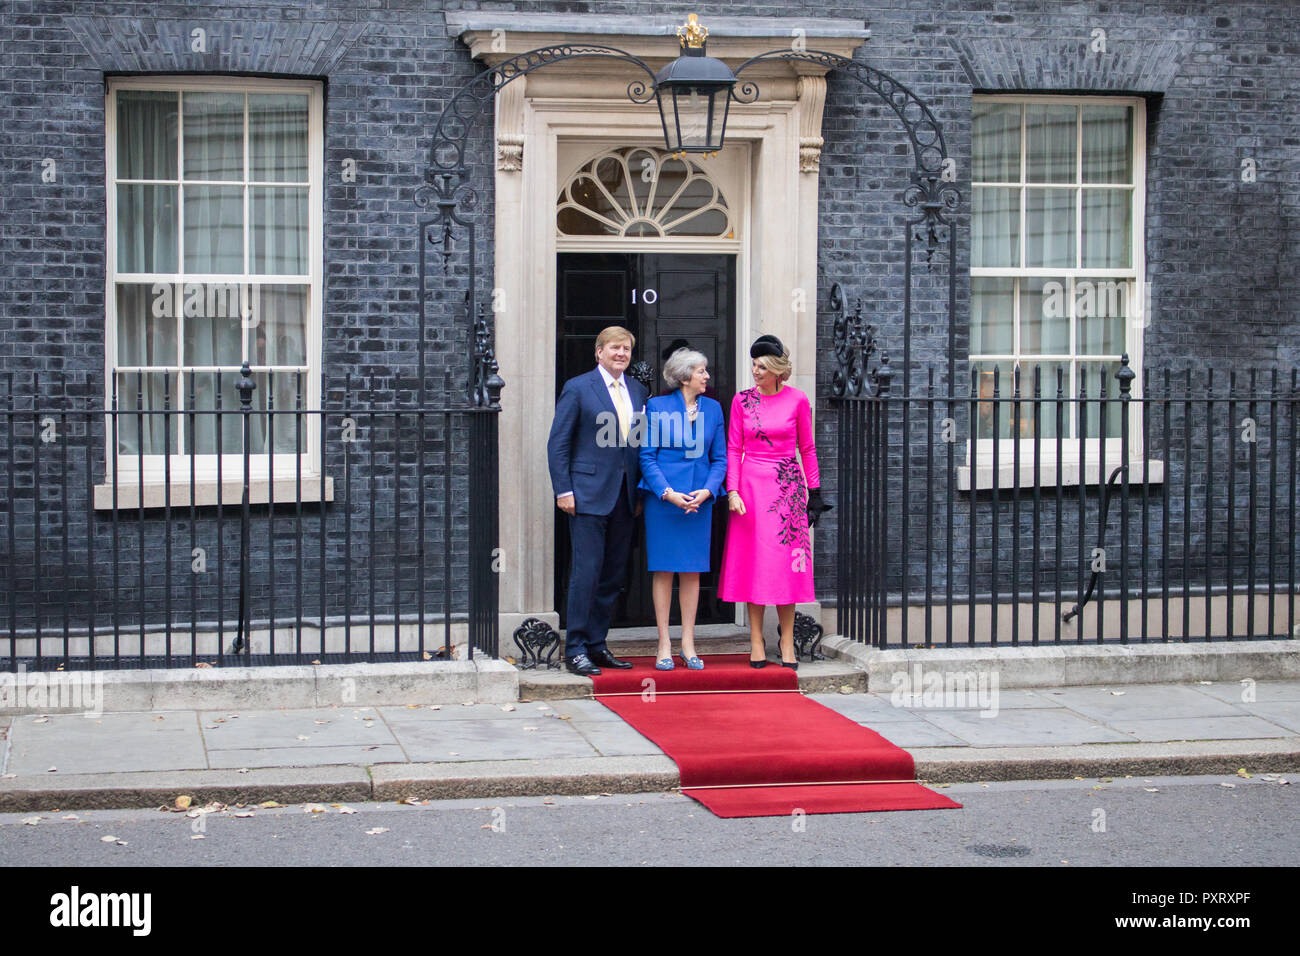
x,y
1222,82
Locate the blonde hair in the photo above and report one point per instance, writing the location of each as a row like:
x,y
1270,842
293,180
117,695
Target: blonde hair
x,y
781,366
615,333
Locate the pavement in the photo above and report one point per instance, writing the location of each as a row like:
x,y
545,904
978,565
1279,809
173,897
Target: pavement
x,y
544,745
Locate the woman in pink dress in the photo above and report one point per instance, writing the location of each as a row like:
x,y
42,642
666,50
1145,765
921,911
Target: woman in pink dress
x,y
767,558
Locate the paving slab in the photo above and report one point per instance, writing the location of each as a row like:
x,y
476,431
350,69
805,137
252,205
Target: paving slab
x,y
917,733
448,712
1265,691
293,729
585,710
1011,728
1142,701
305,756
1201,728
490,739
614,739
970,699
866,708
1285,713
109,743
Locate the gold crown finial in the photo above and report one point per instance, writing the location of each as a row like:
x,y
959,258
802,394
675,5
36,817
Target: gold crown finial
x,y
691,33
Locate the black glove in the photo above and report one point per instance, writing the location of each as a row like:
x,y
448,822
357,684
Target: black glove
x,y
816,506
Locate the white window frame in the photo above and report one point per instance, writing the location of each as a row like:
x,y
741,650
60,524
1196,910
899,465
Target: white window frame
x,y
284,466
978,469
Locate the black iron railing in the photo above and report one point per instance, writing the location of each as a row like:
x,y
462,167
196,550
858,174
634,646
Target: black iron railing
x,y
1032,509
352,531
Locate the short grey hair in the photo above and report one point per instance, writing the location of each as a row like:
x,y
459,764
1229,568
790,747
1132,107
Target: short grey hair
x,y
681,365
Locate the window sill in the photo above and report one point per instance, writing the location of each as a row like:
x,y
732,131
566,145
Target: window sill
x,y
1140,471
206,493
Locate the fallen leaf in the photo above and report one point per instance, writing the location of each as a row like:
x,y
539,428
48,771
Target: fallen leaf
x,y
346,810
376,830
197,836
564,716
371,747
71,816
315,662
530,728
435,706
1241,772
245,813
314,808
1117,693
270,805
301,737
41,720
591,796
184,801
1151,789
320,721
108,839
467,703
52,770
507,707
412,801
160,718
202,664
31,821
427,656
1230,786
1207,683
242,770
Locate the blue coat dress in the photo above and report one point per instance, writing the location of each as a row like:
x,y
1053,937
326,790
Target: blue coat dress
x,y
684,456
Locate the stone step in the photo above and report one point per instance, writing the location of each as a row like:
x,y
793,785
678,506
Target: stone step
x,y
815,677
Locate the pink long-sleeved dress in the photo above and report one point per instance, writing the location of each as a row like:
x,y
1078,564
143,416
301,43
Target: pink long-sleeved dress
x,y
767,558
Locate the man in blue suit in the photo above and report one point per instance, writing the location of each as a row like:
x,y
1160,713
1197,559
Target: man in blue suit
x,y
595,472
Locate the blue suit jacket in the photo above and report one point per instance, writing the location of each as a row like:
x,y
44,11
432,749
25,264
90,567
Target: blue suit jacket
x,y
593,470
683,455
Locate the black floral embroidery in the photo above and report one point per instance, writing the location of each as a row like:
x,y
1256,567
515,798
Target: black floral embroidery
x,y
791,505
750,402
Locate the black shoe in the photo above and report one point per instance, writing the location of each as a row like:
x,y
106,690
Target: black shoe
x,y
606,659
793,666
581,665
757,664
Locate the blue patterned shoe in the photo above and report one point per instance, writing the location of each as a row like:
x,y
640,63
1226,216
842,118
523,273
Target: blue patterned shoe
x,y
693,663
666,664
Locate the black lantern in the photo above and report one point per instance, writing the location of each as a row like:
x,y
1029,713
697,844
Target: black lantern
x,y
694,93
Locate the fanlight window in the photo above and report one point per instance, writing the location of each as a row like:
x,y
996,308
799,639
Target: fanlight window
x,y
636,191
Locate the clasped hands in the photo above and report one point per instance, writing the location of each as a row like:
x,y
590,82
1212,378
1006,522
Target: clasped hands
x,y
690,503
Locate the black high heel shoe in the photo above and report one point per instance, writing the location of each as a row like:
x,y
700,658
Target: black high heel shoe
x,y
794,666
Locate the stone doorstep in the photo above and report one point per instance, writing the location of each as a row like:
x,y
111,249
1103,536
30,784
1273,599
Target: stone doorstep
x,y
815,677
1073,665
576,776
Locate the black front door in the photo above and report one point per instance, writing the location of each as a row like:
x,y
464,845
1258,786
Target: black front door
x,y
667,301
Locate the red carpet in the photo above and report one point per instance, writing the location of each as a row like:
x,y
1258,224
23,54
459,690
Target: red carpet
x,y
735,732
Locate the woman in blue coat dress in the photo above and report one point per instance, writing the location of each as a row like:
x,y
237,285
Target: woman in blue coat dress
x,y
683,464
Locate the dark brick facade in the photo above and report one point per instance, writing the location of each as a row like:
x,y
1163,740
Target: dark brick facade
x,y
1222,84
